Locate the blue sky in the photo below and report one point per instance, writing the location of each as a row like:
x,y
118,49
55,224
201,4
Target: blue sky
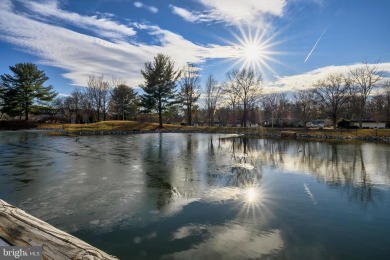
x,y
72,40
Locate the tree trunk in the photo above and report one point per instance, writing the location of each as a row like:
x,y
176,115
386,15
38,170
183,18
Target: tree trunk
x,y
160,113
26,111
189,115
244,116
21,229
360,118
210,115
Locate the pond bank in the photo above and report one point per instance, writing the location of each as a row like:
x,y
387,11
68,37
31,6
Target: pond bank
x,y
260,134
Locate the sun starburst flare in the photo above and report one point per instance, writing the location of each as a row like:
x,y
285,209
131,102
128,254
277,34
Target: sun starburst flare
x,y
251,195
253,49
255,202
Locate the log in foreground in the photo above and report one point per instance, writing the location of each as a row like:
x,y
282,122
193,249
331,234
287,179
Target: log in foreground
x,y
21,229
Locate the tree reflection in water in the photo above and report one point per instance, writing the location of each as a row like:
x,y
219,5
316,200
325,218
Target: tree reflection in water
x,y
246,174
195,196
341,166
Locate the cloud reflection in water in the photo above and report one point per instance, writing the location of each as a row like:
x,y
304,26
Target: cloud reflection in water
x,y
232,241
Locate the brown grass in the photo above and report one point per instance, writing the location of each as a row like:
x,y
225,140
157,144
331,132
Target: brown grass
x,y
111,126
137,126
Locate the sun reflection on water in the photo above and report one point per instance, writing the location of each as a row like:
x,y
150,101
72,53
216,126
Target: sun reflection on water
x,y
255,204
251,195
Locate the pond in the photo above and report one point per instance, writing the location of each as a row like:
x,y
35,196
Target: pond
x,y
194,196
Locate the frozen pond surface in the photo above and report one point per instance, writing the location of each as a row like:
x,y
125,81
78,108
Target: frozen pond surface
x,y
194,196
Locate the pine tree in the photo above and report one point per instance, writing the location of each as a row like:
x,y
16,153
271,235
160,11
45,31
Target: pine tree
x,y
160,83
23,92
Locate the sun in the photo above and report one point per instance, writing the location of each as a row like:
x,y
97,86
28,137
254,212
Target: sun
x,y
251,51
254,49
253,54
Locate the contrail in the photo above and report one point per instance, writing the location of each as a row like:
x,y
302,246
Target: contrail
x,y
315,45
313,199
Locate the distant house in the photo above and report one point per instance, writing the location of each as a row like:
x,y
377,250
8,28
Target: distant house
x,y
368,124
319,123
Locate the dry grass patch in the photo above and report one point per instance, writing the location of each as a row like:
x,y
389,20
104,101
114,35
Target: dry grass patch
x,y
110,126
137,126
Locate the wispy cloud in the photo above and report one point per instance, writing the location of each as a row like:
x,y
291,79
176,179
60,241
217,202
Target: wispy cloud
x,y
309,79
150,8
232,11
82,55
102,26
190,16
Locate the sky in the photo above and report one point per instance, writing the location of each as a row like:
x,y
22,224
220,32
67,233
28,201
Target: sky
x,y
292,43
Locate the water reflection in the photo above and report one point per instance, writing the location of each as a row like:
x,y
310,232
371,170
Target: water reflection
x,y
196,195
251,195
242,242
355,169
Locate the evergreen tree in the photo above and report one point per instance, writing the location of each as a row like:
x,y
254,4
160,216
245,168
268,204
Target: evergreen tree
x,y
23,92
160,83
123,101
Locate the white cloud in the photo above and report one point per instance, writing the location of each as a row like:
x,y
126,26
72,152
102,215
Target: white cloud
x,y
5,5
189,16
186,15
138,4
309,79
82,55
150,8
101,26
233,11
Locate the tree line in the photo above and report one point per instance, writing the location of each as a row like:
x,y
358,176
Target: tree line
x,y
169,93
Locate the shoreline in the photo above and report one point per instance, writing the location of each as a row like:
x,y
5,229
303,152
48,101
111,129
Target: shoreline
x,y
266,135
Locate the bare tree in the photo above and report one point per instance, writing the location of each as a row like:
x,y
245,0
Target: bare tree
x,y
386,94
189,90
97,92
281,108
64,106
247,85
332,94
76,97
364,80
275,105
87,108
269,103
231,99
212,97
376,107
70,107
305,104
